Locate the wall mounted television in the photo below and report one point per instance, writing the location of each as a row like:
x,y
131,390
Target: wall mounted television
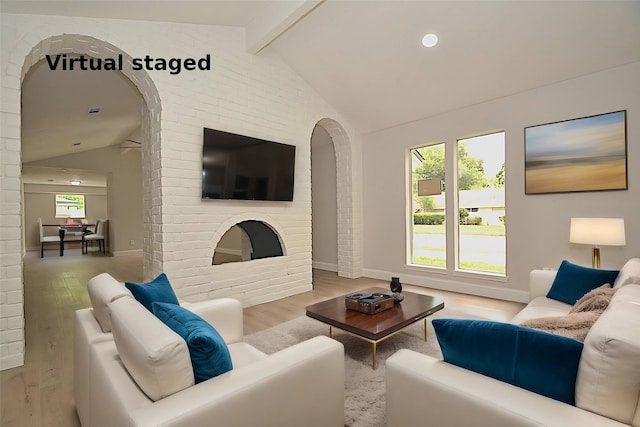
x,y
244,168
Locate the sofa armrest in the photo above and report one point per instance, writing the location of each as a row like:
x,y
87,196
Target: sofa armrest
x,y
300,385
224,314
420,387
540,282
87,332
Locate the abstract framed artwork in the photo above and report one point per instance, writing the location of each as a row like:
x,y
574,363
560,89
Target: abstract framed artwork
x,y
584,154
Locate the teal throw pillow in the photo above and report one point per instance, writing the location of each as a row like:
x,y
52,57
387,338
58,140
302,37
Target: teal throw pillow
x,y
537,361
209,353
158,290
573,281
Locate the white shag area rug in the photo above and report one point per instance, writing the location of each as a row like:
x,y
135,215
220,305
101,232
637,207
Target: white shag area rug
x,y
364,386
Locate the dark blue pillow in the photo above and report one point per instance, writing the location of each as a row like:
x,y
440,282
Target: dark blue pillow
x,y
537,361
573,281
159,289
209,353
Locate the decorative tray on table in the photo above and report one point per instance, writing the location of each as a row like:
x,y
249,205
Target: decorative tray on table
x,y
369,303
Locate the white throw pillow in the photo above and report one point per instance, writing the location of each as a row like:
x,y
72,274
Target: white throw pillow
x,y
630,273
156,357
608,381
104,289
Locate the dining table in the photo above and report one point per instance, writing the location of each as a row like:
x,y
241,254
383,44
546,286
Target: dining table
x,y
77,229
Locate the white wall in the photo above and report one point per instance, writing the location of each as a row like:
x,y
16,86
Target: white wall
x,y
123,191
537,225
39,202
324,201
253,95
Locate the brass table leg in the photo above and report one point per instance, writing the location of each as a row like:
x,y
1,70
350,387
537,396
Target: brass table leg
x,y
330,332
425,328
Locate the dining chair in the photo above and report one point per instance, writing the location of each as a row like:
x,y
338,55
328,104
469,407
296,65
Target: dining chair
x,y
46,239
98,235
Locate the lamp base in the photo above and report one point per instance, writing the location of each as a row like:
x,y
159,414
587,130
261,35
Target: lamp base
x,y
595,257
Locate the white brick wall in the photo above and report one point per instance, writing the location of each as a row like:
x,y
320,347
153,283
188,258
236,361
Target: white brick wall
x,y
253,95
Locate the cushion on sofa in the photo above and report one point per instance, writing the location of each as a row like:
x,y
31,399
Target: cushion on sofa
x,y
104,289
534,360
209,353
155,356
629,273
627,293
573,281
157,290
541,307
608,381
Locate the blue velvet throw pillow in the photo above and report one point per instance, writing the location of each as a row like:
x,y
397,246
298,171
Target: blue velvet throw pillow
x,y
209,353
572,281
534,360
158,290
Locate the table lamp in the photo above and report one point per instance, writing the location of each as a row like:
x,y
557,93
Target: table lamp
x,y
597,232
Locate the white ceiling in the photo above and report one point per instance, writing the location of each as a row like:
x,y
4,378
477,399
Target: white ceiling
x,y
56,117
365,57
56,120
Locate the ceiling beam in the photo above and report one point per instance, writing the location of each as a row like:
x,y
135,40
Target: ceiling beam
x,y
274,21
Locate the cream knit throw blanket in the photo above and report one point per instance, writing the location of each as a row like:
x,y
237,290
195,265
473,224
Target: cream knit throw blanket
x,y
582,316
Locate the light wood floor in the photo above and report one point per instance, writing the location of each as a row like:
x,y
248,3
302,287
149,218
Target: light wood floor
x,y
40,393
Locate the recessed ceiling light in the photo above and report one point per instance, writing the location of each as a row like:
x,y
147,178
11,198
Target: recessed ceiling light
x,y
75,144
430,40
75,182
94,110
49,180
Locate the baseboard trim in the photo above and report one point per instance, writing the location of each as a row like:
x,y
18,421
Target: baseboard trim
x,y
325,266
451,285
129,252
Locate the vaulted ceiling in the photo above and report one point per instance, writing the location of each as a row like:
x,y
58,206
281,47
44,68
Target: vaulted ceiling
x,y
366,58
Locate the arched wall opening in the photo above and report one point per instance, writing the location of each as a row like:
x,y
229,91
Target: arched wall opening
x,y
246,241
150,127
348,249
324,201
13,199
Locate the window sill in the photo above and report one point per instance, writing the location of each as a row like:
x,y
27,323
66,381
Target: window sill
x,y
429,268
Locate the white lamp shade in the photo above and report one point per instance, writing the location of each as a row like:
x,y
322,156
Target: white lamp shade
x,y
597,231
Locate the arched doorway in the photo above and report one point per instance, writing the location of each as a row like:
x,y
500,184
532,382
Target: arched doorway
x,y
150,126
13,242
348,239
324,201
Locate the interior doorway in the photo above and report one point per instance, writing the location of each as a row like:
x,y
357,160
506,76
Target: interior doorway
x,y
324,201
80,136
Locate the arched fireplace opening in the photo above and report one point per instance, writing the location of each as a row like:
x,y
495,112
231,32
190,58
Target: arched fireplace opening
x,y
246,241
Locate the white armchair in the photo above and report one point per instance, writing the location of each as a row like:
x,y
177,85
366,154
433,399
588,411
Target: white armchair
x,y
301,385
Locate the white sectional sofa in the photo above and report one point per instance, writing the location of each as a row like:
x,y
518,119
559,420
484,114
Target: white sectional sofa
x,y
301,385
422,390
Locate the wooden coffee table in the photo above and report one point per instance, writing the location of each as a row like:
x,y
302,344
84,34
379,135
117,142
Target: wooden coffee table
x,y
377,327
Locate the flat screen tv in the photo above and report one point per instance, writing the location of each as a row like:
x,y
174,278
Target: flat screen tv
x,y
244,168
